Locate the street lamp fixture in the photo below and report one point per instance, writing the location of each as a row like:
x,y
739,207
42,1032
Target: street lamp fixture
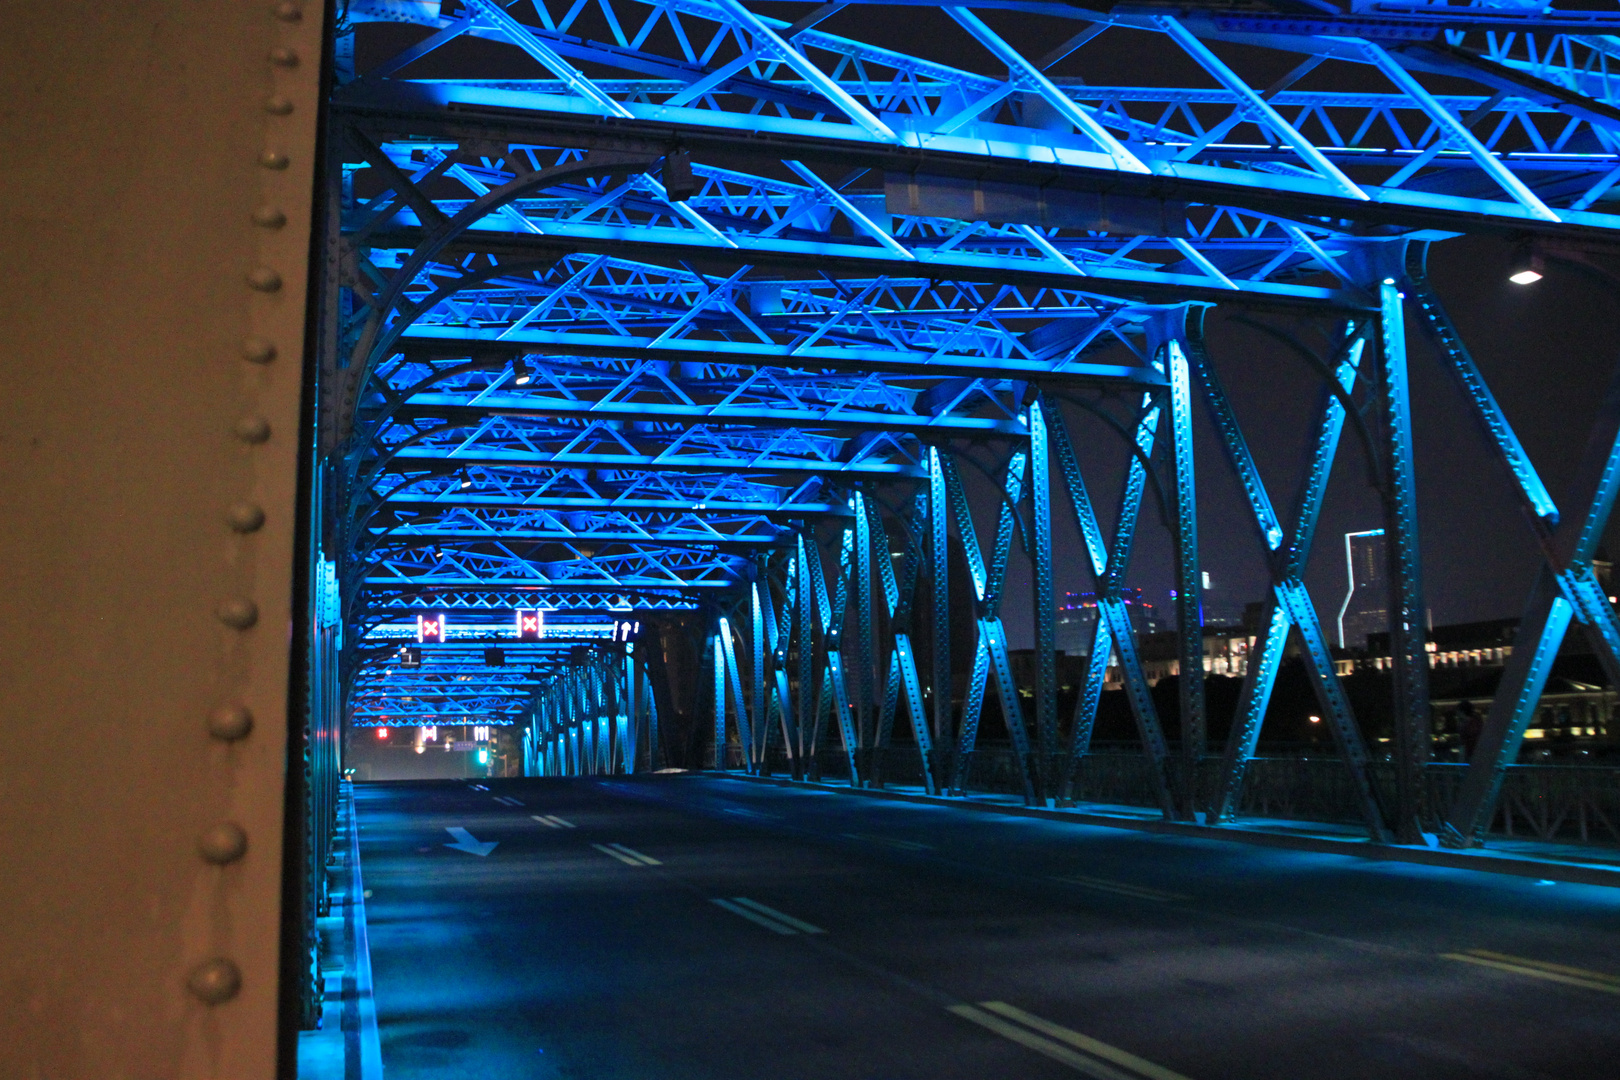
x,y
1527,267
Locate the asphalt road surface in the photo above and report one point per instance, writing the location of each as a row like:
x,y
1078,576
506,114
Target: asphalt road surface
x,y
692,927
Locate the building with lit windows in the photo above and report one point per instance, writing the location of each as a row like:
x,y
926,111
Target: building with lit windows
x,y
1077,619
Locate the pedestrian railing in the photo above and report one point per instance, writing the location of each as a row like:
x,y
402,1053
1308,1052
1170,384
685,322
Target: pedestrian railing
x,y
1577,804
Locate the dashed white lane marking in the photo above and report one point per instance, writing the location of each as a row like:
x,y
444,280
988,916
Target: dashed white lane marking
x,y
610,853
768,917
645,860
1081,1053
553,821
1122,888
628,856
507,799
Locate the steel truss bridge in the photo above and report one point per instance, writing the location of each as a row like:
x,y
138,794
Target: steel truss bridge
x,y
697,311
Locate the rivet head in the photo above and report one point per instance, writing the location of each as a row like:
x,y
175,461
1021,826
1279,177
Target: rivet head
x,y
239,613
274,159
245,517
252,429
264,279
228,723
284,57
223,843
258,350
287,11
215,981
269,217
276,105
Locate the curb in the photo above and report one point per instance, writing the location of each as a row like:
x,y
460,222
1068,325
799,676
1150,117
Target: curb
x,y
370,1043
1484,862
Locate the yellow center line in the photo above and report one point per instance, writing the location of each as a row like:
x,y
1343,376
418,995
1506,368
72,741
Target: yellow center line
x,y
1054,1050
1140,1066
1561,969
1536,969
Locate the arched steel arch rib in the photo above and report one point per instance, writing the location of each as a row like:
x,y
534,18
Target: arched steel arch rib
x,y
801,230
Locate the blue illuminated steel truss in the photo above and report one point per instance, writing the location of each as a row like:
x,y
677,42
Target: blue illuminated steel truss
x,y
704,315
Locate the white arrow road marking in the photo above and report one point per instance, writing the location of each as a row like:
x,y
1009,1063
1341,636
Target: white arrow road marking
x,y
466,842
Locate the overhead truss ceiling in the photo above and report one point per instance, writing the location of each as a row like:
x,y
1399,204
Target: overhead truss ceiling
x,y
622,333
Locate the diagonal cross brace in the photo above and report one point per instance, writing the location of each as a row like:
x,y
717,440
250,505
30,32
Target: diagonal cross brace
x,y
1290,606
1114,632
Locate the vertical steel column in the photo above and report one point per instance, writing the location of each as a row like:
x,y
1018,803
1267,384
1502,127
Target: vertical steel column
x,y
760,727
1045,601
810,587
1407,613
865,645
836,682
719,700
155,349
745,732
1189,577
939,595
629,729
883,560
655,755
780,625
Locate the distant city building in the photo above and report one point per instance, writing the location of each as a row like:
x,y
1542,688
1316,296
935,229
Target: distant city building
x,y
1366,605
1077,619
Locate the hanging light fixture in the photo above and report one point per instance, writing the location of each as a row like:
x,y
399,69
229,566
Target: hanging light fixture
x,y
1526,267
520,372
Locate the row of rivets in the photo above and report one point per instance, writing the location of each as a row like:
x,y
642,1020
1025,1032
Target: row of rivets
x,y
218,980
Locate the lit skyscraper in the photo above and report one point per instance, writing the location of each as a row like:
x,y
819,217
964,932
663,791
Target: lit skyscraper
x,y
1366,606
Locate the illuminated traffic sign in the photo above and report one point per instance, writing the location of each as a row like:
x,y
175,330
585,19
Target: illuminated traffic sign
x,y
626,630
531,624
432,628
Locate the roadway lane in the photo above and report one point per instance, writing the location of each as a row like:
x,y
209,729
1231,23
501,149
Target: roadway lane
x,y
675,927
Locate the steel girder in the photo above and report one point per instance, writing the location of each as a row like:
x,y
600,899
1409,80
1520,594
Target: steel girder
x,y
714,69
714,302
